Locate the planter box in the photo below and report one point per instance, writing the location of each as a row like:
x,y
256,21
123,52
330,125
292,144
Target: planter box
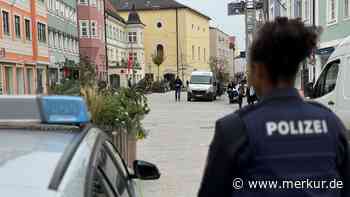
x,y
126,145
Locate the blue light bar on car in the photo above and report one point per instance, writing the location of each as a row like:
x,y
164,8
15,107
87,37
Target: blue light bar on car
x,y
64,110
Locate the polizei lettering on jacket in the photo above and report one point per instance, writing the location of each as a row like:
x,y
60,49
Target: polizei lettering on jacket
x,y
301,127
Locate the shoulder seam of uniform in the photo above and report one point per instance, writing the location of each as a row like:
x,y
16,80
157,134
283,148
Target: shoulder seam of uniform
x,y
315,103
242,112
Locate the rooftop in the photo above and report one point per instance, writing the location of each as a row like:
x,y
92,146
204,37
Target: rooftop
x,y
126,5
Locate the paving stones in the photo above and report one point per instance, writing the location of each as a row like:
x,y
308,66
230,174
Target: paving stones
x,y
180,134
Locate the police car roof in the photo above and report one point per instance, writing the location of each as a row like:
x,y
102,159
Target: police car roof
x,y
63,110
28,160
342,49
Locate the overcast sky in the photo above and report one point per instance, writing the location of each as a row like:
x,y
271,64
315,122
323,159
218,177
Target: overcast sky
x,y
217,10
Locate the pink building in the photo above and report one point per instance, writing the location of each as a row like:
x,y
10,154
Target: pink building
x,y
92,34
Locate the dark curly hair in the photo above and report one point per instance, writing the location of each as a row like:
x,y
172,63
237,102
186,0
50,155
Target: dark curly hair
x,y
281,45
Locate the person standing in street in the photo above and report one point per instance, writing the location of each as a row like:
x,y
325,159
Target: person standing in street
x,y
240,89
129,83
178,86
283,137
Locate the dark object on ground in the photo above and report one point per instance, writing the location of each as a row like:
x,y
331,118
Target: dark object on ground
x,y
232,95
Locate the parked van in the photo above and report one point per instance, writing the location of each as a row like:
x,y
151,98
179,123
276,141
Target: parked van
x,y
203,85
333,85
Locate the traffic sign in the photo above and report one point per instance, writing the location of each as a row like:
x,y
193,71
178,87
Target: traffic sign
x,y
236,8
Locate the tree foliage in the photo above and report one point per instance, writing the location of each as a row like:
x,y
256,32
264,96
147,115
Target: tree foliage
x,y
158,60
87,73
219,68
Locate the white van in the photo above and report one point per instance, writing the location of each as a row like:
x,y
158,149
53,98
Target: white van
x,y
202,85
332,88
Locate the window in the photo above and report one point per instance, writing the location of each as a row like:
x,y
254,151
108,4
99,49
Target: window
x,y
327,81
30,80
5,23
84,28
20,80
41,32
1,89
193,52
307,10
132,37
204,54
332,11
60,41
93,2
159,25
160,50
28,29
199,53
93,28
84,2
297,8
133,57
346,8
114,33
17,26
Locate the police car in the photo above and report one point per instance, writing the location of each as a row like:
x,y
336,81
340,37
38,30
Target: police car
x,y
49,148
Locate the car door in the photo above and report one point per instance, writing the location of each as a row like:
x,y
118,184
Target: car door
x,y
324,90
127,186
343,111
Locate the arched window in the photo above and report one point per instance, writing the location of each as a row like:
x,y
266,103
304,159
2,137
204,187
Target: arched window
x,y
160,50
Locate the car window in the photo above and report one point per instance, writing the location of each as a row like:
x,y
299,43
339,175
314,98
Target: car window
x,y
327,80
100,187
347,79
120,162
113,173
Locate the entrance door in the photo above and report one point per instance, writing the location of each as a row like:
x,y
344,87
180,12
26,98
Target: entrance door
x,y
40,86
115,81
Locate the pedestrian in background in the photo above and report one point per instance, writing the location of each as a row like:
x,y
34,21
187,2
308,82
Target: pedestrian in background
x,y
240,89
129,83
178,86
283,137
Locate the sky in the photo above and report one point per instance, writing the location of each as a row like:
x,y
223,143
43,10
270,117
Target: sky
x,y
217,11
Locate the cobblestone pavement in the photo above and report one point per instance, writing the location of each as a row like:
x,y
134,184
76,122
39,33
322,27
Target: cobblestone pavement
x,y
180,134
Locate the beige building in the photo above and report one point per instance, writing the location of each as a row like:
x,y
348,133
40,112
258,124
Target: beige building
x,y
220,49
175,30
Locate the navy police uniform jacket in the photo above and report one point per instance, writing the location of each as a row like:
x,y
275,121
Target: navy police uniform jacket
x,y
282,138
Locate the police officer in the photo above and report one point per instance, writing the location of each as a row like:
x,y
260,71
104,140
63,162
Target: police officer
x,y
283,137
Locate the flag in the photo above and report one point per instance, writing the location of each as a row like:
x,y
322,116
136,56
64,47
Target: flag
x,y
130,62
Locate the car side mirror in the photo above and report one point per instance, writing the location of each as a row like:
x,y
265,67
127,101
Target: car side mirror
x,y
309,90
145,171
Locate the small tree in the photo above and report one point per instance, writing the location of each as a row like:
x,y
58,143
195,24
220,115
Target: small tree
x,y
87,73
158,60
219,67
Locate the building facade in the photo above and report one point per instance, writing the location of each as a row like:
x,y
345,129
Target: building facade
x,y
334,17
303,9
24,57
220,50
63,39
174,30
125,48
91,27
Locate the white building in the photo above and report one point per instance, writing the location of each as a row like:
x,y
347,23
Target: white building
x,y
125,48
298,9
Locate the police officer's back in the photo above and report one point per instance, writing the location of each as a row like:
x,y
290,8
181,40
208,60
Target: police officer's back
x,y
283,137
